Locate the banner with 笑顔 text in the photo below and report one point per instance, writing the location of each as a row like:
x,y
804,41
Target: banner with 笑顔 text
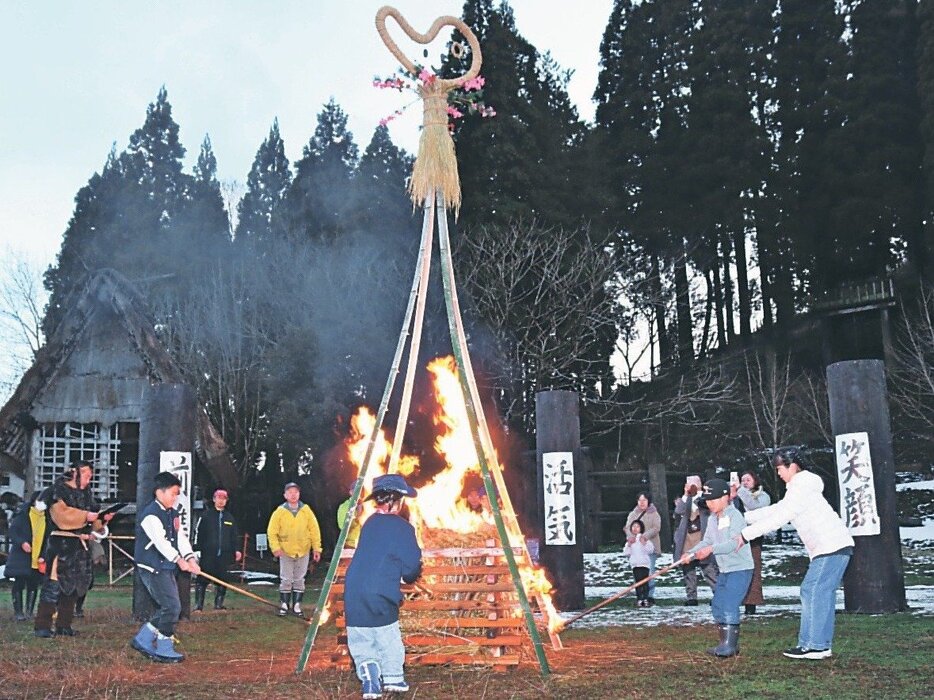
x,y
857,488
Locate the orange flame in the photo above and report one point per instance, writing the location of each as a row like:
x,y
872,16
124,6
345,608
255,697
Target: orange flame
x,y
441,503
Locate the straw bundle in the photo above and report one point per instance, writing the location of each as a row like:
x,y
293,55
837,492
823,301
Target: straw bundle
x,y
435,168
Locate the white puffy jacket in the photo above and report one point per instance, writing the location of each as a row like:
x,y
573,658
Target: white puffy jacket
x,y
804,506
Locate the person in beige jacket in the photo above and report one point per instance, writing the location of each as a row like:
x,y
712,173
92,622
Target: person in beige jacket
x,y
651,528
294,538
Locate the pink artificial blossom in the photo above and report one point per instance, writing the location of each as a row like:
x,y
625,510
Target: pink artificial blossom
x,y
454,113
474,83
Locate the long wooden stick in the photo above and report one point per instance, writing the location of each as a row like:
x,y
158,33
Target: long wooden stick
x,y
617,596
241,591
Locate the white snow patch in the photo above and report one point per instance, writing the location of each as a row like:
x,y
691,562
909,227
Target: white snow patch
x,y
916,486
780,600
920,535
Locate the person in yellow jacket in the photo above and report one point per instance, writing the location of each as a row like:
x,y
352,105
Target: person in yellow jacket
x,y
295,538
353,534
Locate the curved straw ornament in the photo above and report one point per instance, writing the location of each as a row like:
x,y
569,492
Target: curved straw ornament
x,y
435,166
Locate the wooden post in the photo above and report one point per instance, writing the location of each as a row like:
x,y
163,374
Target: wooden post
x,y
658,487
875,580
557,429
167,423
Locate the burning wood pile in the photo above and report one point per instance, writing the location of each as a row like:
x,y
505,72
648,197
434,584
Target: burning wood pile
x,y
465,608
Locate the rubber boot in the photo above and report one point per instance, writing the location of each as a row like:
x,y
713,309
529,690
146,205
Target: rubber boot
x,y
66,612
79,606
165,650
219,594
31,601
284,604
43,623
721,630
145,640
18,614
200,590
297,603
729,642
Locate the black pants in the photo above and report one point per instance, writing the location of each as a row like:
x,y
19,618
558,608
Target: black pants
x,y
639,573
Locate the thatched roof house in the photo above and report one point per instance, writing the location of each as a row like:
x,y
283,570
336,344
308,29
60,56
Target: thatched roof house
x,y
82,398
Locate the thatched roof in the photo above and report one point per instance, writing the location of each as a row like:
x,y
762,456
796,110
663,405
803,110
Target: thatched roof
x,y
95,367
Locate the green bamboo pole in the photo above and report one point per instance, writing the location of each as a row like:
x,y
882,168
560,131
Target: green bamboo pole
x,y
468,388
421,270
414,346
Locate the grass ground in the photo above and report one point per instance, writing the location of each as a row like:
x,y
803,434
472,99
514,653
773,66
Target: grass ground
x,y
248,652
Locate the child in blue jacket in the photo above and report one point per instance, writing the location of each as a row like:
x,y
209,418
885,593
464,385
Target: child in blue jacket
x,y
387,553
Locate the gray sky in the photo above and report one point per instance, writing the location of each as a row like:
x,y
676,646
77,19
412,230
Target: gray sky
x,y
77,77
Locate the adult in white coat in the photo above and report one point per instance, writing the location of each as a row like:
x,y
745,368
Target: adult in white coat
x,y
828,544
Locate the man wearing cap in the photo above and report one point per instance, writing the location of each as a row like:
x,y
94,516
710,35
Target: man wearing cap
x,y
217,537
294,537
162,549
689,532
733,563
387,552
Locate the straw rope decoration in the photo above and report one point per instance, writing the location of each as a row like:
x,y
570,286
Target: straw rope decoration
x,y
436,164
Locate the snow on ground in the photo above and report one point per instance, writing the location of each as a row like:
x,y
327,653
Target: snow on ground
x,y
607,573
780,600
915,486
920,536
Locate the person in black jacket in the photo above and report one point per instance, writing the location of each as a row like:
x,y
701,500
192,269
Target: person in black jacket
x,y
387,552
26,533
217,536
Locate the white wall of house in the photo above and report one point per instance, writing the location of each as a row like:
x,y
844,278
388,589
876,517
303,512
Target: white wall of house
x,y
12,483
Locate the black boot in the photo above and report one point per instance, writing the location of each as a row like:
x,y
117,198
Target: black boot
x,y
79,606
31,601
750,609
43,621
219,594
66,612
18,605
297,604
284,604
200,589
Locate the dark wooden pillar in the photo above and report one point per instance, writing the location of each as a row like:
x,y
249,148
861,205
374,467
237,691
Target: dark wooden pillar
x,y
167,423
658,487
557,429
875,581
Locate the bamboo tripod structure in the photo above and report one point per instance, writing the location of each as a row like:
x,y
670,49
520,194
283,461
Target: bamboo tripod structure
x,y
507,525
434,181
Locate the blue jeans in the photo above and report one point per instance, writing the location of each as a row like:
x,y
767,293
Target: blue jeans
x,y
380,644
163,590
729,593
819,600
